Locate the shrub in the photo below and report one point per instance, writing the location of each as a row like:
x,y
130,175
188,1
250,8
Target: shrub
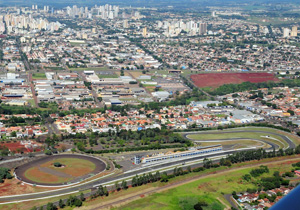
x,y
57,164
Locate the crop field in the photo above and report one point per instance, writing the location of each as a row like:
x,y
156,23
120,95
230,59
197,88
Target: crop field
x,y
218,79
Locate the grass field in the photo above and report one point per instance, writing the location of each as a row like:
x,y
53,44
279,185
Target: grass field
x,y
35,203
108,75
209,189
136,74
39,76
36,175
31,102
294,138
237,144
74,167
275,21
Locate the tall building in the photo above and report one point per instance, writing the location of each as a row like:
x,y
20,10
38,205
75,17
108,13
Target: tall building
x,y
286,32
202,28
294,31
145,32
125,24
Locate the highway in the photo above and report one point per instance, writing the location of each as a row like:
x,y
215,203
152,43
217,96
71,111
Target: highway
x,y
128,175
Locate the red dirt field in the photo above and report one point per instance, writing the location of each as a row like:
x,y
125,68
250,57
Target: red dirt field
x,y
17,147
217,79
15,187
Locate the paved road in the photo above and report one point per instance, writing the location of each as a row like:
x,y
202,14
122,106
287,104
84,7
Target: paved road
x,y
33,89
95,95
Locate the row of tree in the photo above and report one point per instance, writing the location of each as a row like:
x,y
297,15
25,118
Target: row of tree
x,y
232,88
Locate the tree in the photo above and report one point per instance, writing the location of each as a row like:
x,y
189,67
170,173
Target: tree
x,y
57,164
13,134
78,202
4,174
61,204
247,177
164,178
106,193
198,206
80,146
82,198
207,163
124,185
51,206
291,112
48,152
117,186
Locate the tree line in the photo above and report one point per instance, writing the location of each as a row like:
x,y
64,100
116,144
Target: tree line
x,y
232,88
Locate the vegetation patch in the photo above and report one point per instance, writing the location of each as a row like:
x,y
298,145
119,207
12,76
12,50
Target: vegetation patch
x,y
39,76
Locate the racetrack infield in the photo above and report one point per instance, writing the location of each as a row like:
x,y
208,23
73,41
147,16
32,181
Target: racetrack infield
x,y
42,172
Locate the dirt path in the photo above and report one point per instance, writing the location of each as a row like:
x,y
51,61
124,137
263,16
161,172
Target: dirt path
x,y
226,206
134,196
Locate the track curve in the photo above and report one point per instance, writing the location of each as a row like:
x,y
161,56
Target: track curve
x,y
285,138
20,171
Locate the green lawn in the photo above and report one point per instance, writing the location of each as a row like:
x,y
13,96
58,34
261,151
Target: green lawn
x,y
31,102
39,76
210,190
108,76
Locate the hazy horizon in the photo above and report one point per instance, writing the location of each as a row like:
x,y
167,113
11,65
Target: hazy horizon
x,y
186,3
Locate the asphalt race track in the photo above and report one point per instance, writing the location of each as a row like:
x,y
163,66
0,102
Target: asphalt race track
x,y
274,146
19,172
133,173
